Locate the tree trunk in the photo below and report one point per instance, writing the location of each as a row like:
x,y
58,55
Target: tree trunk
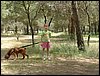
x,y
84,32
89,28
89,24
80,41
29,20
98,29
24,30
32,30
95,28
37,30
16,33
15,29
27,29
62,29
69,28
65,29
72,32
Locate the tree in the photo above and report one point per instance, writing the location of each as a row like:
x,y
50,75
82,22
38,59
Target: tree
x,y
72,29
47,12
89,22
80,41
27,5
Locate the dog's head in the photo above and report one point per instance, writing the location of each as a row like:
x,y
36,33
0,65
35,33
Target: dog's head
x,y
7,56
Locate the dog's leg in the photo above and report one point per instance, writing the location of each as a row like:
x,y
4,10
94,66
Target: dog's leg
x,y
27,56
14,56
23,56
17,55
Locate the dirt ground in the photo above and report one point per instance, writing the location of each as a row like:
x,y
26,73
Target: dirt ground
x,y
58,66
36,66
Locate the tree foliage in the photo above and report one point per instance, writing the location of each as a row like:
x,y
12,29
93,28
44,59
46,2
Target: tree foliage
x,y
35,13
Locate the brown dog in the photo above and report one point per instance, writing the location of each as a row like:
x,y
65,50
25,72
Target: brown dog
x,y
15,52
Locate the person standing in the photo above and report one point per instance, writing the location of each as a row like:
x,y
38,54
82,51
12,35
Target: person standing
x,y
45,42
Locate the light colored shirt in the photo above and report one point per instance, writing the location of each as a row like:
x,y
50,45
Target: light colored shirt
x,y
45,35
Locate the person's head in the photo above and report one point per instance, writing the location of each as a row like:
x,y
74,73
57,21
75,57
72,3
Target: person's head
x,y
46,26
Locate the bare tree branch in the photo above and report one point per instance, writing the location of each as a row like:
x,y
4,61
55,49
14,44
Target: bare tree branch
x,y
23,3
44,16
50,21
37,11
29,2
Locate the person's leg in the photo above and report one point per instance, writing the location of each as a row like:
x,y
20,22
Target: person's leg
x,y
43,54
48,54
48,51
43,51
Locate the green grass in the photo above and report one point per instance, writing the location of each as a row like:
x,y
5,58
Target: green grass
x,y
65,50
72,51
34,51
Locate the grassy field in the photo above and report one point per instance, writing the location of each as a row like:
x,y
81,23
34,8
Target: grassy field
x,y
66,59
